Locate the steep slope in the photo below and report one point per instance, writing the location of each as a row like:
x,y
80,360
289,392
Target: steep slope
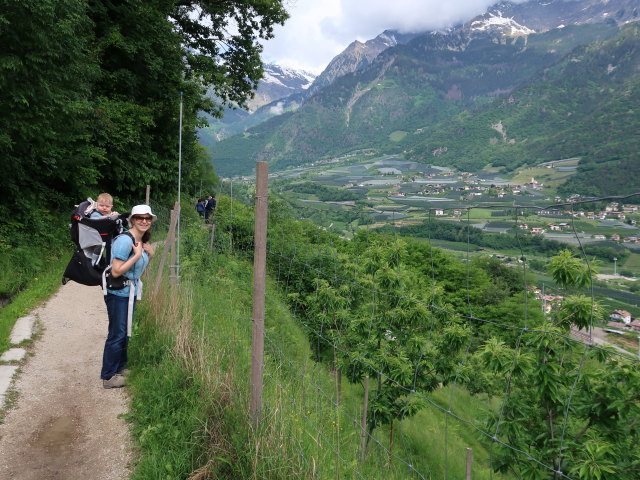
x,y
357,56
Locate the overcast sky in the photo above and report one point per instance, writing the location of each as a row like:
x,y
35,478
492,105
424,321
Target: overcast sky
x,y
318,30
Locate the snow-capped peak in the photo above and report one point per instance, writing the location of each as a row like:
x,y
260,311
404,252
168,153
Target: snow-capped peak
x,y
287,77
495,21
389,40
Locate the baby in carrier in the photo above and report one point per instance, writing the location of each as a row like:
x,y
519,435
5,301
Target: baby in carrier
x,y
93,227
103,206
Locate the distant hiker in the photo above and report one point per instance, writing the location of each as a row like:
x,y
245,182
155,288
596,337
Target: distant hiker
x,y
103,206
210,206
200,207
130,254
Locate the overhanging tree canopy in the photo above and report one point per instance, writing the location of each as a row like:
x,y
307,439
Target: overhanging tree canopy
x,y
91,92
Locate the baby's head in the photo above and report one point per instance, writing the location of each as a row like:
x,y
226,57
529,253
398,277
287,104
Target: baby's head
x,y
104,204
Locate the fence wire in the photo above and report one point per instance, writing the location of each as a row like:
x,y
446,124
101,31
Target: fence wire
x,y
289,265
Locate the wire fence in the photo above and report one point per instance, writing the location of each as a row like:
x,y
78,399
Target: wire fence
x,y
460,353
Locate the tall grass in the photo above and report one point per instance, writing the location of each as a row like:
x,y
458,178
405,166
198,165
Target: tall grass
x,y
191,355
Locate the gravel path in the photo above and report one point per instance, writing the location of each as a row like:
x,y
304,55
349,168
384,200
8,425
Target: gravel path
x,y
64,425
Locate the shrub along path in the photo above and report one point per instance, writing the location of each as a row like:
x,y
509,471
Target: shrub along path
x,y
63,425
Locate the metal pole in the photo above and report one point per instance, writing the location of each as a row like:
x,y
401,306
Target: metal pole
x,y
615,262
259,281
231,215
179,192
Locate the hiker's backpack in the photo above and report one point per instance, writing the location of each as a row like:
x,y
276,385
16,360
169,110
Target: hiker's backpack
x,y
92,238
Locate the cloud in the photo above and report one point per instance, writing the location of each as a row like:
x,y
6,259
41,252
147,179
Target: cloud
x,y
301,42
277,109
319,30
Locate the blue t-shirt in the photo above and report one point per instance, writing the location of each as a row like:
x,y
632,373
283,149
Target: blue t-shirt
x,y
122,248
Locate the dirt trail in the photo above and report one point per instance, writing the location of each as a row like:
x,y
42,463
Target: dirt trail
x,y
64,425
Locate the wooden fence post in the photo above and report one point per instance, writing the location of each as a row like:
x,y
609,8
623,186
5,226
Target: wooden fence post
x,y
363,438
173,257
259,279
469,461
147,197
212,236
171,235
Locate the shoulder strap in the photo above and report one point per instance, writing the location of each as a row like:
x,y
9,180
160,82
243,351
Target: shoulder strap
x,y
128,234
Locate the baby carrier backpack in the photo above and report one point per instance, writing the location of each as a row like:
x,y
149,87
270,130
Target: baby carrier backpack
x,y
92,238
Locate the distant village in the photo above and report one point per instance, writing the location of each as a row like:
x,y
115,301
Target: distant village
x,y
620,321
623,321
474,188
613,211
470,187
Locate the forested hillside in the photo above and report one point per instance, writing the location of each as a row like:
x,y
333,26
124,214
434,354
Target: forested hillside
x,y
91,94
567,93
580,107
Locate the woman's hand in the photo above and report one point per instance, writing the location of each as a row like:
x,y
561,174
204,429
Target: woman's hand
x,y
149,249
119,267
137,250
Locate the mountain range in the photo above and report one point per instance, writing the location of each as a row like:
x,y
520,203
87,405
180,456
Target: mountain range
x,y
277,83
520,84
285,89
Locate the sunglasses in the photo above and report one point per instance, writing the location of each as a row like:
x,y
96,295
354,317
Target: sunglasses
x,y
148,219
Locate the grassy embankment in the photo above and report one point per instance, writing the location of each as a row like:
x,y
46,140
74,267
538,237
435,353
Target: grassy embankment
x,y
190,390
40,286
30,271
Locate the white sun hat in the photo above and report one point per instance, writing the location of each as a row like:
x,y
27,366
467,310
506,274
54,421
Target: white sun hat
x,y
142,210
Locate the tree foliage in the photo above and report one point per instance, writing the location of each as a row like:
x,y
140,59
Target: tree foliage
x,y
92,92
405,314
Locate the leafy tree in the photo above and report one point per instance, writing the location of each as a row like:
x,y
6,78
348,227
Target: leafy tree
x,y
569,271
379,304
46,74
93,92
149,53
567,408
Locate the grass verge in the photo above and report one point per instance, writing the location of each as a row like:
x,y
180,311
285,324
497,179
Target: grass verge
x,y
37,290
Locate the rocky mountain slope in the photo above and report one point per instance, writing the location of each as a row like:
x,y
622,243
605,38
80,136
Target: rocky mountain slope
x,y
279,82
277,92
357,56
432,79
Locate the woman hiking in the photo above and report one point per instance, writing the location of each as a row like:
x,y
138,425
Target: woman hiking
x,y
130,254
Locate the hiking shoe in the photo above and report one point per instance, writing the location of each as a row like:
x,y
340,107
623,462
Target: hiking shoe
x,y
124,372
117,381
